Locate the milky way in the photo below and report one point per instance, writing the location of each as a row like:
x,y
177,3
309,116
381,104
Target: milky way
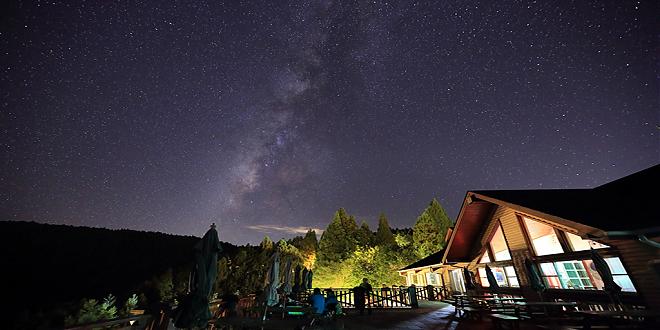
x,y
267,116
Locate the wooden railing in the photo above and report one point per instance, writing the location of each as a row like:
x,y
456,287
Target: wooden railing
x,y
394,297
378,298
430,293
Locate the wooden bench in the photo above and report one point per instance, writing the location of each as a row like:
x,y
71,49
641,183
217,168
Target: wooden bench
x,y
501,319
472,312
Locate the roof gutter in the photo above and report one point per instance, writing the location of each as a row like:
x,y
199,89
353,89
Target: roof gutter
x,y
647,241
639,235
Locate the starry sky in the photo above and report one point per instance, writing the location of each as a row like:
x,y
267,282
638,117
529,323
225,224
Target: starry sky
x,y
267,116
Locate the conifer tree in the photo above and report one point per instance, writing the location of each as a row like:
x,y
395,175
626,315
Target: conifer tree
x,y
430,230
384,236
338,240
267,243
308,247
365,237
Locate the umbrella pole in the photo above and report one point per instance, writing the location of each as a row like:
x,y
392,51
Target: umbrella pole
x,y
284,308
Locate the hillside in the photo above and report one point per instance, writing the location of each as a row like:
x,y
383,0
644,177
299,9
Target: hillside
x,y
48,265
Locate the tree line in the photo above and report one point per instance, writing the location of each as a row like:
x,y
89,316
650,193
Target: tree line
x,y
344,254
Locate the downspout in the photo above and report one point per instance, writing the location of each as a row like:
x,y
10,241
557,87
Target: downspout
x,y
640,237
647,241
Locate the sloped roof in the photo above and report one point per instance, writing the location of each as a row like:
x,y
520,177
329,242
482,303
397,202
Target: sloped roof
x,y
433,259
626,204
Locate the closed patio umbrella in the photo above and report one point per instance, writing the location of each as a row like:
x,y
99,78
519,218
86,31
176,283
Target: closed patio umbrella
x,y
469,279
605,274
310,274
303,280
194,308
492,282
296,279
287,288
603,269
535,280
272,281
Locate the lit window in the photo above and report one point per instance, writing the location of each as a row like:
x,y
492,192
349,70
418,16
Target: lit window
x,y
485,258
482,277
432,278
500,276
457,281
573,274
582,274
543,237
511,276
619,275
498,246
580,244
550,275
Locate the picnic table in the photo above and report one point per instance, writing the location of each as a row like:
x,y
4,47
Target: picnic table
x,y
649,319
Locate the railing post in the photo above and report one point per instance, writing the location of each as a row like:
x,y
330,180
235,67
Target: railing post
x,y
412,292
430,293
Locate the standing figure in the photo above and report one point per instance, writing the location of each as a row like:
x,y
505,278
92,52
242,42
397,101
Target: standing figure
x,y
367,292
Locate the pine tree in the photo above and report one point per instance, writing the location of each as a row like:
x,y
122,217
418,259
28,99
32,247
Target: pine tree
x,y
267,243
365,237
437,212
384,236
430,230
308,248
338,240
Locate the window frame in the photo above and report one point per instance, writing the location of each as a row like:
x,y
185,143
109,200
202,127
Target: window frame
x,y
570,254
493,263
563,241
489,249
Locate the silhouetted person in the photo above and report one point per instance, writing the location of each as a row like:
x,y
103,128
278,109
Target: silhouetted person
x,y
358,297
230,301
317,301
330,301
367,291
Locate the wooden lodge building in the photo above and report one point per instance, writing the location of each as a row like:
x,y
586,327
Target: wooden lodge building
x,y
556,229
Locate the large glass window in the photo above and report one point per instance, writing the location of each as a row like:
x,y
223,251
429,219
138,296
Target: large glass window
x,y
457,281
432,279
582,274
571,274
550,275
544,238
500,276
620,275
485,258
482,277
498,246
579,244
511,276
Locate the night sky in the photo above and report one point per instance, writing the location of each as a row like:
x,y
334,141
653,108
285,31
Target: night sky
x,y
267,116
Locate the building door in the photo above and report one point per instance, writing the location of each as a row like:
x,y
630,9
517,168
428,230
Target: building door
x,y
457,280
